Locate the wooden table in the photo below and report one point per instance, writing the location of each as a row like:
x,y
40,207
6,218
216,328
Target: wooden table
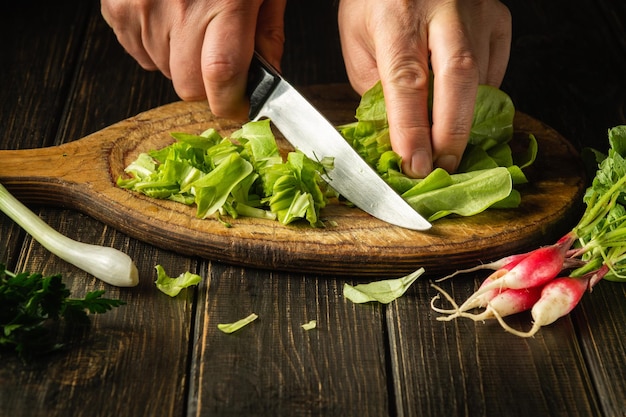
x,y
63,76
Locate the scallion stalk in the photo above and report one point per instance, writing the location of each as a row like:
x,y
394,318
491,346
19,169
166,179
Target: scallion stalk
x,y
105,263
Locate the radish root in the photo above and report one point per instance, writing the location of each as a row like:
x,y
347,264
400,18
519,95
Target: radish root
x,y
516,332
465,271
456,311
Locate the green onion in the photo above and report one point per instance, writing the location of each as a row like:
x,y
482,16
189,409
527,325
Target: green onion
x,y
105,263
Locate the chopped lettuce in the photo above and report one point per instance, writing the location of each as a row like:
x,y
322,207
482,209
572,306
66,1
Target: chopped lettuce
x,y
245,175
310,325
233,327
242,175
173,286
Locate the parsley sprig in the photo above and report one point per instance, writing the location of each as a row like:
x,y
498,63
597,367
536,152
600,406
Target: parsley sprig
x,y
32,306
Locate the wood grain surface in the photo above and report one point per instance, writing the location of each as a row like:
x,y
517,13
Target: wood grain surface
x,y
82,174
65,76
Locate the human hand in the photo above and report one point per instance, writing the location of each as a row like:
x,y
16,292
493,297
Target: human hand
x,y
203,46
466,43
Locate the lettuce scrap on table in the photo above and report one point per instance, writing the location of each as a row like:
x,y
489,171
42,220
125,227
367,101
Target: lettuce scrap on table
x,y
245,175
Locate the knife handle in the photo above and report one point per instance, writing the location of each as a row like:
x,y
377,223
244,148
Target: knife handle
x,y
262,79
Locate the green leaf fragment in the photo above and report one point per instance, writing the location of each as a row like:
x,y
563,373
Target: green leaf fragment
x,y
173,286
312,324
476,192
246,175
384,291
233,327
213,189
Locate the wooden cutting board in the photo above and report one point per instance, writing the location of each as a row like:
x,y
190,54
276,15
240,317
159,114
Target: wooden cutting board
x,y
82,174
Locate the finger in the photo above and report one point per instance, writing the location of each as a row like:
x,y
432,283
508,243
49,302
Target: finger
x,y
402,62
225,70
456,74
270,32
499,47
156,30
184,62
357,47
127,30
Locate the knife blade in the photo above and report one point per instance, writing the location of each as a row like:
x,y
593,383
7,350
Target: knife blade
x,y
271,96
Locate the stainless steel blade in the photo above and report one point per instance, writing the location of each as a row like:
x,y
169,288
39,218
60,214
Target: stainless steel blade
x,y
311,133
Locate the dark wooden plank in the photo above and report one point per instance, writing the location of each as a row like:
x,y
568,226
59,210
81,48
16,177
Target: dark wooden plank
x,y
37,68
31,100
131,361
134,359
110,85
312,48
464,368
273,367
600,326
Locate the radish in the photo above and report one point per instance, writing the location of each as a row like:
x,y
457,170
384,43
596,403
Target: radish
x,y
505,303
508,261
476,302
539,267
558,298
505,265
600,254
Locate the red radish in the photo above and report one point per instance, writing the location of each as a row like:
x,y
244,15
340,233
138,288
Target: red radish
x,y
508,261
476,302
506,303
539,267
558,298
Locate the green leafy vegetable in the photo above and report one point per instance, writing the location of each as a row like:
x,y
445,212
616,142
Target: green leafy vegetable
x,y
441,194
468,197
30,305
310,325
492,124
240,175
233,327
602,229
245,175
384,291
173,286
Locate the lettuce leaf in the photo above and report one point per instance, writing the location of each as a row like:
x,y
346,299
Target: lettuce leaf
x,y
384,291
243,174
488,155
173,286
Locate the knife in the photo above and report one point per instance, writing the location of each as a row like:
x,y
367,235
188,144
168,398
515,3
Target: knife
x,y
309,132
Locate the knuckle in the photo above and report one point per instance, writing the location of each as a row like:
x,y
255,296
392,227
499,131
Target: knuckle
x,y
220,70
462,64
409,76
119,11
274,34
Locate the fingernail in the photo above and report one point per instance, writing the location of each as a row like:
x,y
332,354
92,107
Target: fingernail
x,y
421,164
447,162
